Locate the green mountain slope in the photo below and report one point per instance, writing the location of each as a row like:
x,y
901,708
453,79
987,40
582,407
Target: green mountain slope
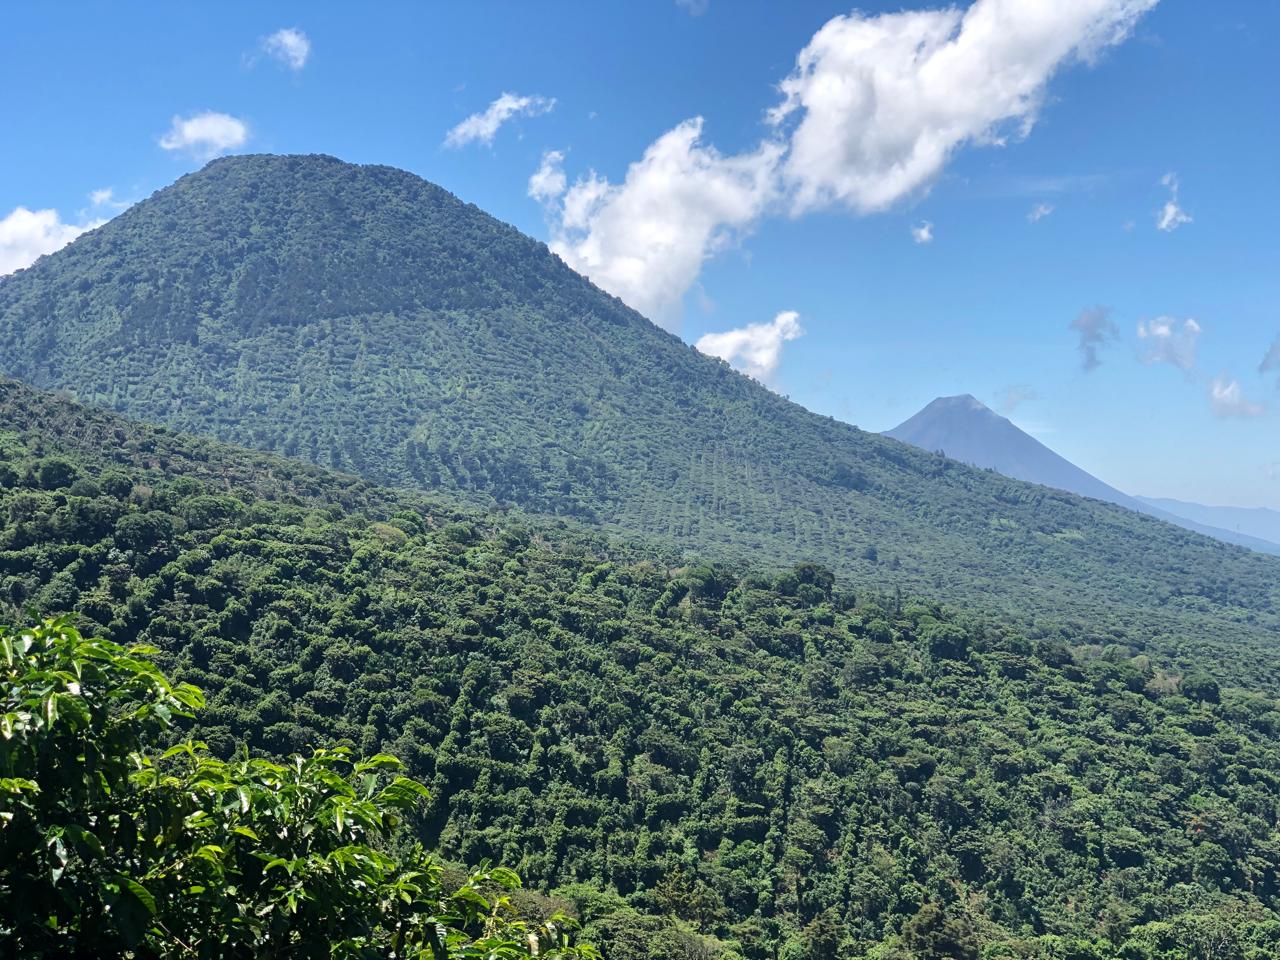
x,y
364,319
704,764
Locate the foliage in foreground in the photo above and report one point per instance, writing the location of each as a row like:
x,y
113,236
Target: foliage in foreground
x,y
110,847
702,764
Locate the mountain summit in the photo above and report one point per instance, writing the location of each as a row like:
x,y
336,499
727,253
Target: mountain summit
x,y
966,429
362,318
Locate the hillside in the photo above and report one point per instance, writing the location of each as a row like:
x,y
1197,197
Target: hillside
x,y
966,429
1258,522
364,319
703,764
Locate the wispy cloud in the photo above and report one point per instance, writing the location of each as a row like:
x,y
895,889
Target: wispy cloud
x,y
1171,216
290,46
105,199
1227,399
1033,186
695,8
1169,340
482,127
206,134
1039,212
922,232
1094,329
756,350
1015,396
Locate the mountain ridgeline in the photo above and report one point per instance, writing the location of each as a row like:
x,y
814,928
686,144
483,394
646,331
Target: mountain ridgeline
x,y
366,320
966,429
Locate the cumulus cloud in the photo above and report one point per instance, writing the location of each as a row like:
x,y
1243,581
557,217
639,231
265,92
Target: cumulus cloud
x,y
1168,340
922,232
205,134
548,181
1226,399
882,102
645,239
290,46
873,110
1095,329
1271,362
26,235
484,126
1171,215
1039,212
756,350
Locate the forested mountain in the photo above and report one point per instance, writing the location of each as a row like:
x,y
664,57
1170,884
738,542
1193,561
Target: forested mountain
x,y
702,763
966,429
364,319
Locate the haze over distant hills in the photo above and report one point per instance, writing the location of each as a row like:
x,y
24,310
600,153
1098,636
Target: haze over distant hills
x,y
362,318
967,430
1251,521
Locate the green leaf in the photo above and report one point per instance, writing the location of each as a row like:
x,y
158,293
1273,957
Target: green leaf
x,y
137,891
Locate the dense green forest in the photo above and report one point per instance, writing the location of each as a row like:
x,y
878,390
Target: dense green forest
x,y
112,846
697,761
366,320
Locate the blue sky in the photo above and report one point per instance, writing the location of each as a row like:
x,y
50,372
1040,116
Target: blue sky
x,y
764,217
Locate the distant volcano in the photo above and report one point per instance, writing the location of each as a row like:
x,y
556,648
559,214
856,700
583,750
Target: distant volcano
x,y
966,429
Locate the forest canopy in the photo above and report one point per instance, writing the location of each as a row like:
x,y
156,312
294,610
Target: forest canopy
x,y
366,320
112,846
696,760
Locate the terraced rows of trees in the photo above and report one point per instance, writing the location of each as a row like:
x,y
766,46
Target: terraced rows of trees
x,y
366,320
698,761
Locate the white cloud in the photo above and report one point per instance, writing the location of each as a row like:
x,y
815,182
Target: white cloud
x,y
26,235
1039,212
205,134
922,232
756,350
548,181
484,126
1169,340
290,46
882,102
106,199
872,112
1226,399
645,239
1171,216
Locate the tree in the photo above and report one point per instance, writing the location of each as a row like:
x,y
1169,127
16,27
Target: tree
x,y
111,848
